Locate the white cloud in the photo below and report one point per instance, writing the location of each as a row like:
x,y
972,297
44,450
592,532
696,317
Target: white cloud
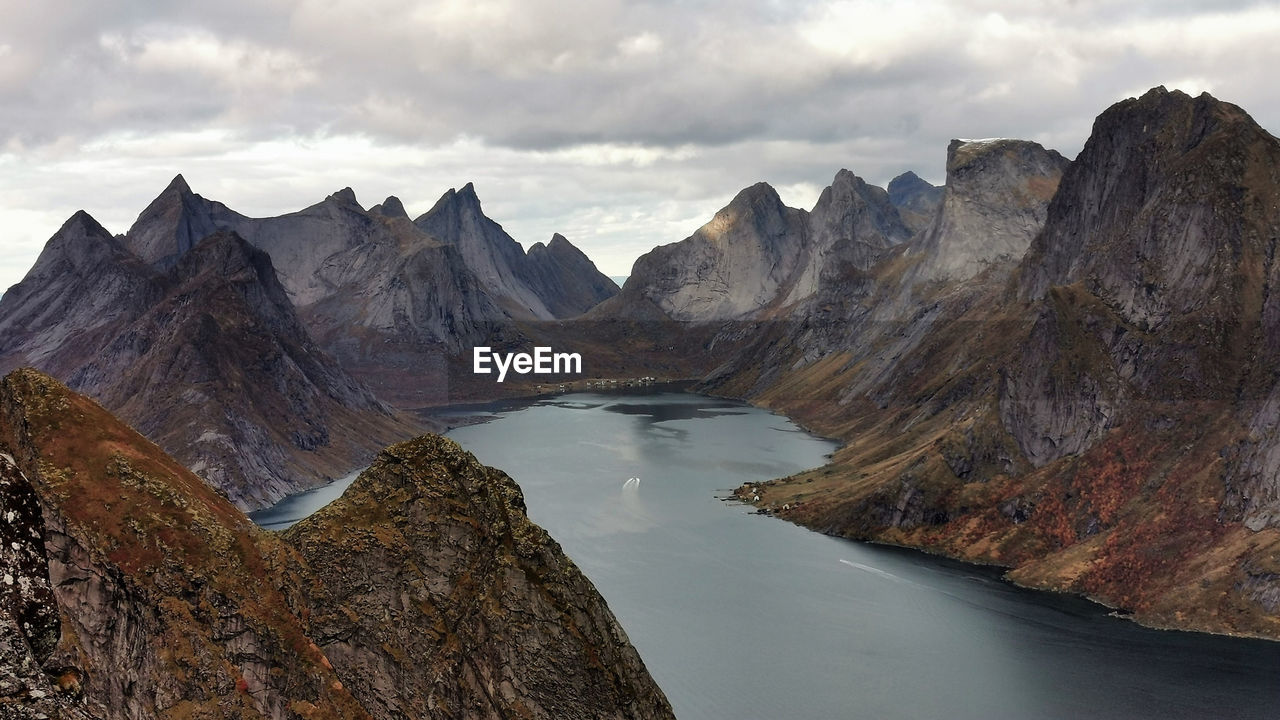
x,y
620,124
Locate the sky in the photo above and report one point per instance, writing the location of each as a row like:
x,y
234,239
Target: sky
x,y
621,125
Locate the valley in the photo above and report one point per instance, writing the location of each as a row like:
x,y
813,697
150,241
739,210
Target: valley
x,y
1061,368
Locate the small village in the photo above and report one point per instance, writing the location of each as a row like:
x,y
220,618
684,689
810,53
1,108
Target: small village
x,y
597,384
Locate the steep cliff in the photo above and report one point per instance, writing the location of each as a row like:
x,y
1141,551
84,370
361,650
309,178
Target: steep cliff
x,y
176,352
995,201
1097,416
430,555
570,281
29,622
757,257
173,604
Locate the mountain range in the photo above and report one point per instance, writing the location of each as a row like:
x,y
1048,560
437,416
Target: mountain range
x,y
1066,368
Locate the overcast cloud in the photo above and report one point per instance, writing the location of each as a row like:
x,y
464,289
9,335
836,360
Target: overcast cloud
x,y
622,125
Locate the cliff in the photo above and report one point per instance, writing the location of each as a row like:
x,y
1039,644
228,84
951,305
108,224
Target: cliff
x,y
1095,414
173,351
173,604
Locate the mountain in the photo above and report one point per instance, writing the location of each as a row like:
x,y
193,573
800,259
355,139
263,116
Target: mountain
x,y
168,602
512,612
497,260
1096,411
757,255
916,200
994,203
572,284
174,222
395,301
83,286
173,351
849,228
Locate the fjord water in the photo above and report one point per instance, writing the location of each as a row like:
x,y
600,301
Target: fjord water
x,y
740,616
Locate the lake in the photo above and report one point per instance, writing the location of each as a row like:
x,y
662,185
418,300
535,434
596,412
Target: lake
x,y
738,615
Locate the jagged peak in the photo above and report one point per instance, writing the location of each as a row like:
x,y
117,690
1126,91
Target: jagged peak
x,y
391,207
456,199
178,184
558,239
844,176
84,220
908,180
346,196
761,192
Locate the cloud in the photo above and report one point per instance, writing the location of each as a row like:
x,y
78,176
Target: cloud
x,y
621,124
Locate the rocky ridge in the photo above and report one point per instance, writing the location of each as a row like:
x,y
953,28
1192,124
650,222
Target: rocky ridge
x,y
1095,414
173,350
174,604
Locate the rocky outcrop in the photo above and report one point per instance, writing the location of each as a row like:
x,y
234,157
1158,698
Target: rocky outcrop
x,y
571,285
30,686
173,602
917,201
391,207
996,199
174,222
429,555
758,259
1100,415
207,358
849,229
175,605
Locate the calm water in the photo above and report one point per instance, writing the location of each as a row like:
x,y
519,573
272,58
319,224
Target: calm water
x,y
743,616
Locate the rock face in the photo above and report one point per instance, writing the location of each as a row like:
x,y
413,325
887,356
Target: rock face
x,y
758,256
174,351
503,624
174,222
733,266
29,624
175,605
1098,413
570,282
497,260
997,195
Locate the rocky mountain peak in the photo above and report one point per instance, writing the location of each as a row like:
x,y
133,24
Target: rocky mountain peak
x,y
454,203
228,255
1159,166
345,196
80,244
736,264
495,258
533,623
758,197
391,207
82,228
178,185
997,195
174,222
572,284
916,200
